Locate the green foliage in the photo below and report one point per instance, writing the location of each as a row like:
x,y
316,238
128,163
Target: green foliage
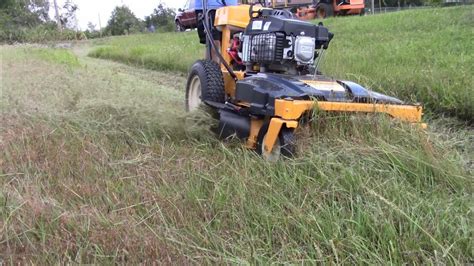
x,y
123,21
153,51
40,34
91,32
57,56
417,55
162,18
28,21
53,57
24,13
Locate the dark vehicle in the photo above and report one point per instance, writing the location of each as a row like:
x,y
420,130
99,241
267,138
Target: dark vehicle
x,y
186,17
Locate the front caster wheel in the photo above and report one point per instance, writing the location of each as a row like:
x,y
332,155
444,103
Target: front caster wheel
x,y
285,144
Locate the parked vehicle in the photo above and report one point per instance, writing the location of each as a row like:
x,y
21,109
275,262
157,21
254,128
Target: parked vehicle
x,y
186,17
304,9
311,9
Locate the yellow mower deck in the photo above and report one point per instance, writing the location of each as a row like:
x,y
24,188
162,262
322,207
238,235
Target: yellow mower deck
x,y
288,113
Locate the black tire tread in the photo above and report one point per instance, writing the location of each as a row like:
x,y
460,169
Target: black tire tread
x,y
288,142
212,81
214,90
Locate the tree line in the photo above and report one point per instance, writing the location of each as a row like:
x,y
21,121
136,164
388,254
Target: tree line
x,y
123,21
30,21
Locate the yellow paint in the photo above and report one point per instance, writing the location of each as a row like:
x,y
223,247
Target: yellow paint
x,y
274,130
294,109
229,82
272,134
288,112
225,43
236,16
255,126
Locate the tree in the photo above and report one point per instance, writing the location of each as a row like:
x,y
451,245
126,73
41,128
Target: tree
x,y
91,31
68,15
123,21
162,17
91,26
24,13
16,16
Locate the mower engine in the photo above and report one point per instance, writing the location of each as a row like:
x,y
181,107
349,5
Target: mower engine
x,y
277,43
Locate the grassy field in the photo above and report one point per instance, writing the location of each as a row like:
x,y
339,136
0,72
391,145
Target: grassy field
x,y
419,55
99,164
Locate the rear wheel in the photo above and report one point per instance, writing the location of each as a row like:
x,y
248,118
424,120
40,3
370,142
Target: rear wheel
x,y
324,10
194,94
205,83
285,144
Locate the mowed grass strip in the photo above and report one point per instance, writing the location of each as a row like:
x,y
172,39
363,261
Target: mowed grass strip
x,y
98,165
417,55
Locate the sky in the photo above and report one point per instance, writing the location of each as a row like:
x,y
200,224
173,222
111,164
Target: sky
x,y
89,10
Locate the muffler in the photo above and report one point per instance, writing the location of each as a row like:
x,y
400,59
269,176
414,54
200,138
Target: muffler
x,y
232,124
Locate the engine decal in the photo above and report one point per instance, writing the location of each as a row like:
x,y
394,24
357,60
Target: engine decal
x,y
267,25
325,85
257,25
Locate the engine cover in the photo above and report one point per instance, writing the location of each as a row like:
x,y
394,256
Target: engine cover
x,y
273,22
273,38
261,90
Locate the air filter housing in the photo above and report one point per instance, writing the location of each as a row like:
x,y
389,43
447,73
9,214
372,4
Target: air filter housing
x,y
264,47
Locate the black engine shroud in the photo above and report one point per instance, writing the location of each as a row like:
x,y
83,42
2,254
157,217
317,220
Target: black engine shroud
x,y
281,44
261,91
270,21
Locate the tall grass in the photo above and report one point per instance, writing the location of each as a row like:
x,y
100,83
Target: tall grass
x,y
162,51
39,34
417,55
97,165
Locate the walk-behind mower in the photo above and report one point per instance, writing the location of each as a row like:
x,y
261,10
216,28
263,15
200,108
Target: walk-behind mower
x,y
268,80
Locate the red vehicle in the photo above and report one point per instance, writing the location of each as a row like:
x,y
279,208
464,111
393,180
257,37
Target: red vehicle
x,y
186,17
